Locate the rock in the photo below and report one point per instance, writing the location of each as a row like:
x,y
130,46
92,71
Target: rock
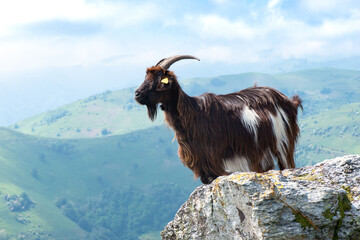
x,y
313,202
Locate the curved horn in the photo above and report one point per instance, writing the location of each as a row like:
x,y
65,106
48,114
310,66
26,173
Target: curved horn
x,y
167,62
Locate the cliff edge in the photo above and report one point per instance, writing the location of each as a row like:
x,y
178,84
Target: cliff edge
x,y
313,202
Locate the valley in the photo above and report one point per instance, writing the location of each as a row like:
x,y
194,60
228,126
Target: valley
x,y
98,168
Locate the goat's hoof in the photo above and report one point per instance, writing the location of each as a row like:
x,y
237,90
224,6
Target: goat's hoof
x,y
205,180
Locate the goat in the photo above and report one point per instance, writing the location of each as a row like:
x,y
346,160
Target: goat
x,y
222,134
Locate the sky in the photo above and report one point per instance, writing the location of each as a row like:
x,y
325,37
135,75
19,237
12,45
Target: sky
x,y
53,52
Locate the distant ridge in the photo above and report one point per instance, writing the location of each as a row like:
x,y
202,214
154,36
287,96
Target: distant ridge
x,y
114,113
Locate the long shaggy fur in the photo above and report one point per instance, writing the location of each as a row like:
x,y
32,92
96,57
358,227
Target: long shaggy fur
x,y
221,134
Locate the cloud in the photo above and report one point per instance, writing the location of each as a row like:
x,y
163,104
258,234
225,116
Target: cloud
x,y
339,27
93,45
273,3
219,1
44,33
62,27
325,6
215,53
129,14
215,26
40,34
17,13
272,27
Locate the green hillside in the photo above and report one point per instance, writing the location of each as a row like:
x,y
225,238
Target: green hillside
x,y
329,134
100,169
80,184
113,113
80,170
108,113
19,156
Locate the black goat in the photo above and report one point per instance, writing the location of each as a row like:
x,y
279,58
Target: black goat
x,y
222,134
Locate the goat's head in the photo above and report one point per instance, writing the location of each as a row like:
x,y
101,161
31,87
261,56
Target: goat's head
x,y
159,82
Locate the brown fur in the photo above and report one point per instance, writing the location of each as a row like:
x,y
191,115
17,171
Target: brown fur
x,y
209,128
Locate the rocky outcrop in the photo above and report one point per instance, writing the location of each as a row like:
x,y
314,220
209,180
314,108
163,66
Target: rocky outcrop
x,y
314,202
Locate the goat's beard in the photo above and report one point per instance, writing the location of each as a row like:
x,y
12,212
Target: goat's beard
x,y
152,111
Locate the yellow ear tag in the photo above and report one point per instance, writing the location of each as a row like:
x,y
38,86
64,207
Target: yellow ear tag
x,y
165,80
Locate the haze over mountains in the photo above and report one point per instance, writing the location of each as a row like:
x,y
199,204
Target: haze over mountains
x,y
40,91
98,168
79,159
325,92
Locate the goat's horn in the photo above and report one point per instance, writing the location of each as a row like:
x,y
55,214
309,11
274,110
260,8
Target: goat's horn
x,y
167,62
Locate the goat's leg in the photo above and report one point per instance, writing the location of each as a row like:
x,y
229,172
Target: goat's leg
x,y
207,178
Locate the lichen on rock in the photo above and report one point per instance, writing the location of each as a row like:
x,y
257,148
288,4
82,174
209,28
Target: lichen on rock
x,y
313,202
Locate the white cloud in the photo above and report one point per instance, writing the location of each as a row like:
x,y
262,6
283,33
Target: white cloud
x,y
215,53
339,27
323,6
130,36
213,37
273,3
17,13
219,1
130,14
28,54
21,52
286,35
216,26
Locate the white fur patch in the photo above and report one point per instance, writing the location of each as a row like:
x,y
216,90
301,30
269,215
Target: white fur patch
x,y
279,129
236,164
250,119
283,114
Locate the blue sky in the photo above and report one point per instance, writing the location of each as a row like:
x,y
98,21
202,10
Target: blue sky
x,y
41,34
96,45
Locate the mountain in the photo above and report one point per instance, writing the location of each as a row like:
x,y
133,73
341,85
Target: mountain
x,y
108,113
331,133
27,94
98,168
113,113
51,171
301,64
25,169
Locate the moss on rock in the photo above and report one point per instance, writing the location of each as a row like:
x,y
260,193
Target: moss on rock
x,y
304,222
328,214
344,205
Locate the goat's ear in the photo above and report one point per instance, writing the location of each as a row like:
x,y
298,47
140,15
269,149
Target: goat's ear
x,y
163,84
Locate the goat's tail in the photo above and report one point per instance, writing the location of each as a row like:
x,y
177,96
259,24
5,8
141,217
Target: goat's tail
x,y
296,100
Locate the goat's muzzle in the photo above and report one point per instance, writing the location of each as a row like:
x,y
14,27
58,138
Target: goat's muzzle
x,y
139,97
